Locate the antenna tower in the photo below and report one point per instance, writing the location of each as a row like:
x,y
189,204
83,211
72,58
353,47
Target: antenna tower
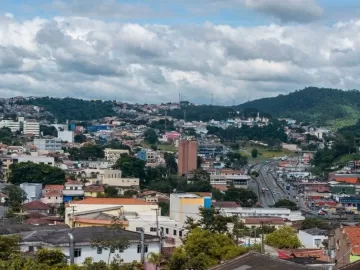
x,y
212,99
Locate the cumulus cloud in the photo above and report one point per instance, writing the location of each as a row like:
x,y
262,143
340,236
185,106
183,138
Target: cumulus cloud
x,y
287,10
93,58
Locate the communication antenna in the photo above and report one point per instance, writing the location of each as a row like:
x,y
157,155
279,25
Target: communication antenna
x,y
184,115
212,99
165,121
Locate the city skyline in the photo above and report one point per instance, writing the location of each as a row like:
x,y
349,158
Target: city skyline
x,y
227,51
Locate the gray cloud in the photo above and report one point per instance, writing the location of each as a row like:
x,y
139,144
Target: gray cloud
x,y
287,10
87,58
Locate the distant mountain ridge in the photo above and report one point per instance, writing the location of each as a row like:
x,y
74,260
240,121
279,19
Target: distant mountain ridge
x,y
321,106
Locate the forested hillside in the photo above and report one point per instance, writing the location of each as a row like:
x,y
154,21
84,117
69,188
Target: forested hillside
x,y
74,109
322,106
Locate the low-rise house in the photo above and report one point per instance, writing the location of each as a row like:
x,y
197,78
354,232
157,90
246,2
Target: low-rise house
x,y
72,190
53,198
257,222
313,238
346,241
99,204
153,196
93,191
38,207
114,178
83,239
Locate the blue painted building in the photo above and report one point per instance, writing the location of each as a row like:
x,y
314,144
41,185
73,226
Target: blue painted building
x,y
141,155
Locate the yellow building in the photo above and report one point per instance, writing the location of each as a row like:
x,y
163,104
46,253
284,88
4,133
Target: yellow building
x,y
93,191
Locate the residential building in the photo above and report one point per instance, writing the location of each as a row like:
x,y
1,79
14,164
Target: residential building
x,y
31,126
346,242
48,144
238,181
313,238
66,136
13,125
187,157
37,207
34,159
151,156
142,155
33,191
72,189
114,154
183,205
52,197
262,212
126,204
93,191
210,150
114,178
83,237
257,222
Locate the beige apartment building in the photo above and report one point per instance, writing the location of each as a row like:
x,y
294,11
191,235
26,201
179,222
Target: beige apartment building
x,y
114,154
187,159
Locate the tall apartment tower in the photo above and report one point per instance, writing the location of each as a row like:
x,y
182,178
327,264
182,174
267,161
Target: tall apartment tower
x,y
187,158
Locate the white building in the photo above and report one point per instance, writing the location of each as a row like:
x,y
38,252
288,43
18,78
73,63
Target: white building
x,y
263,212
238,181
114,154
13,125
33,191
35,159
48,144
183,205
313,238
113,178
83,237
31,127
66,136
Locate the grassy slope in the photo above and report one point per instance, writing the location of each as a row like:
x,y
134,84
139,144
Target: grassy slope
x,y
264,154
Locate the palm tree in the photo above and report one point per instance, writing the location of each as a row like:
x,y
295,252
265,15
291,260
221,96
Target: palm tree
x,y
154,258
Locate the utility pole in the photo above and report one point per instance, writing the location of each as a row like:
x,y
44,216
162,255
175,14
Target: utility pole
x,y
157,220
142,245
73,216
71,247
165,121
262,238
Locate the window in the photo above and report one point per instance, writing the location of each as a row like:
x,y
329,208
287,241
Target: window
x,y
77,252
317,242
175,232
180,233
152,229
146,248
99,250
49,198
162,229
31,249
112,250
167,230
138,229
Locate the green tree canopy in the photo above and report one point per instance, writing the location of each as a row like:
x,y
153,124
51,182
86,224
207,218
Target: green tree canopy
x,y
150,136
131,166
28,172
89,152
16,196
284,237
80,138
244,197
204,249
286,204
309,223
254,152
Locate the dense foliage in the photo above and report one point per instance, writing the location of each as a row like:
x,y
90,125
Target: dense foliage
x,y
284,237
244,197
284,203
321,106
74,109
310,223
89,152
273,131
28,172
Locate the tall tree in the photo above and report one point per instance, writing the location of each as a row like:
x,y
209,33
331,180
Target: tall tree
x,y
284,237
150,136
28,172
15,196
245,197
254,152
131,166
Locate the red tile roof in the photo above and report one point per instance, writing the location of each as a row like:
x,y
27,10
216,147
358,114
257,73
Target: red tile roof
x,y
53,193
302,253
36,205
114,201
220,187
73,182
54,187
94,189
37,221
353,235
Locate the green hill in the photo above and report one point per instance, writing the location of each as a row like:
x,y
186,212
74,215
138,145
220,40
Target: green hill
x,y
321,106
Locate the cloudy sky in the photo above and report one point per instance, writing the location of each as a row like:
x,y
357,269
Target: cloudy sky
x,y
153,50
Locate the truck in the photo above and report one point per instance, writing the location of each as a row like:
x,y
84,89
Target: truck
x,y
287,187
263,190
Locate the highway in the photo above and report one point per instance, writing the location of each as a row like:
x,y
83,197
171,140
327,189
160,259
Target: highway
x,y
267,180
